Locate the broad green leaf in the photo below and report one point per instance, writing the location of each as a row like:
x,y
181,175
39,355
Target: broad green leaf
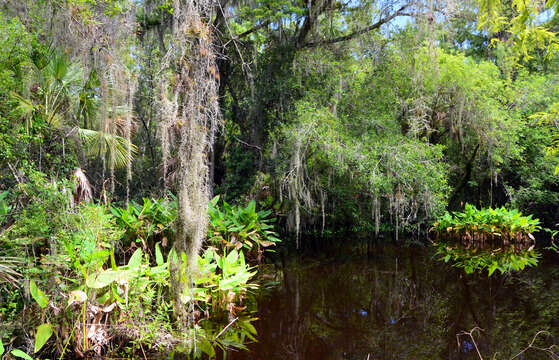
x,y
44,332
492,268
158,255
20,354
40,297
104,278
207,347
135,260
1,347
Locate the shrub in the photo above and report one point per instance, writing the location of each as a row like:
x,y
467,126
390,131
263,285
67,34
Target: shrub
x,y
493,239
148,223
240,227
489,226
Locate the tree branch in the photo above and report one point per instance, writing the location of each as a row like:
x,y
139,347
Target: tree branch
x,y
256,28
354,34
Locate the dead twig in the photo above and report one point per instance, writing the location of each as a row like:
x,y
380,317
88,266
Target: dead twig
x,y
551,350
225,328
470,334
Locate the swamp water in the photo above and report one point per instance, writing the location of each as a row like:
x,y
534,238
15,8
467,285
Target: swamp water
x,y
399,303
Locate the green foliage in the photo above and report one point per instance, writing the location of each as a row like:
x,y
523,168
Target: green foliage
x,y
4,206
521,20
241,228
221,283
149,222
487,223
20,354
40,298
76,266
493,239
141,282
504,260
43,334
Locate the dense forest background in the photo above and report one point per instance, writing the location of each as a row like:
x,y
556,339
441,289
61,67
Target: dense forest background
x,y
339,117
353,116
358,116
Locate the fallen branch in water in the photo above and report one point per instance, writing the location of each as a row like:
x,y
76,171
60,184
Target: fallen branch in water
x,y
470,334
548,350
551,350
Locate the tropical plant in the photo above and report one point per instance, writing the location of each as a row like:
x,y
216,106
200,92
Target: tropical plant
x,y
504,260
493,239
149,222
59,97
240,227
500,226
221,283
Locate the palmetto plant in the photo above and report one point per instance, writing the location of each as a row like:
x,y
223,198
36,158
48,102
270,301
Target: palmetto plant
x,y
53,90
8,270
59,96
105,144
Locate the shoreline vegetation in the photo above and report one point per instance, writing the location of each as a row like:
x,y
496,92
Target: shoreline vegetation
x,y
156,155
493,239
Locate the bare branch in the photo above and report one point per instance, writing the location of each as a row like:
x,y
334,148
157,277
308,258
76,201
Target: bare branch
x,y
354,34
470,334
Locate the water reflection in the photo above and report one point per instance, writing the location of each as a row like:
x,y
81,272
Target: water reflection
x,y
399,303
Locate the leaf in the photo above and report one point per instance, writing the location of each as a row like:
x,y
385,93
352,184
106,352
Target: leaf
x,y
493,267
103,279
158,255
40,297
1,348
44,332
20,354
267,243
135,260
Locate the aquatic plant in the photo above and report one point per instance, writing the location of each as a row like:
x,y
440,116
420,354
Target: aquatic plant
x,y
221,283
487,227
493,239
503,260
241,228
149,222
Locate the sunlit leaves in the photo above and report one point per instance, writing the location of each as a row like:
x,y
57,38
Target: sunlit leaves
x,y
241,227
501,222
20,354
525,28
104,144
44,332
39,296
476,260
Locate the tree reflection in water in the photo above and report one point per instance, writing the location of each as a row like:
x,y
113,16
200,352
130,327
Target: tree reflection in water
x,y
399,303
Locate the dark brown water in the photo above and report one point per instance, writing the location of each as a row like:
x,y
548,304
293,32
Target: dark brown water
x,y
399,303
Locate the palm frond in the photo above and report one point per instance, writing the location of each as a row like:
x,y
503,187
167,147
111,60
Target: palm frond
x,y
103,144
8,270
